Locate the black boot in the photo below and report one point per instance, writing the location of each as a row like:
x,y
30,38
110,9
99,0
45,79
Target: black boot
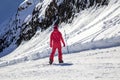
x,y
50,61
61,61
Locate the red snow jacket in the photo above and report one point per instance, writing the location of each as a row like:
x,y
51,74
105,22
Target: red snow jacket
x,y
56,38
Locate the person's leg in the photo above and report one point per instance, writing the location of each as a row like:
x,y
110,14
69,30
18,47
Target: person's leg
x,y
60,55
52,55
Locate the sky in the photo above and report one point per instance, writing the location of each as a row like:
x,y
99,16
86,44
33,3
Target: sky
x,y
8,8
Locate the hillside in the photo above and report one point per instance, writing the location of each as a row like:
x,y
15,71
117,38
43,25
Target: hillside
x,y
91,33
92,28
39,15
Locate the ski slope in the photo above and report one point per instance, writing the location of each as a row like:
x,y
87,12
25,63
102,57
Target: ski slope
x,y
85,56
92,28
100,64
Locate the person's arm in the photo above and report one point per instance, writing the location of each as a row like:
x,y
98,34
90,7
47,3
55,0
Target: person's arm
x,y
62,41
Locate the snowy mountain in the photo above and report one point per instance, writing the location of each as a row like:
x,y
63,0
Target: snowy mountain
x,y
88,27
34,15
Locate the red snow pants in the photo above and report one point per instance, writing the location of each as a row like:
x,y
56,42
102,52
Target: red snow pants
x,y
54,48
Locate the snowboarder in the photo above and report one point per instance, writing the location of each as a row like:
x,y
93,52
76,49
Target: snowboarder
x,y
55,43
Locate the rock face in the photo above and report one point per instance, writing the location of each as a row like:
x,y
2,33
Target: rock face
x,y
57,11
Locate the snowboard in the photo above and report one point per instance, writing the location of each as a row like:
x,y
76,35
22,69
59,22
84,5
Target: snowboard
x,y
61,64
58,64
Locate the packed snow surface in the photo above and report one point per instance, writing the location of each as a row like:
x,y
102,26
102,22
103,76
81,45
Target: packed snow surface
x,y
100,64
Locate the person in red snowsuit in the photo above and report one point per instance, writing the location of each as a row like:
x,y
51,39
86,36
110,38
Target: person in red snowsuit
x,y
55,43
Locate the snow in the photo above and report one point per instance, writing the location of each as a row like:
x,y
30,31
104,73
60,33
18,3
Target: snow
x,y
100,64
59,2
87,54
28,18
84,33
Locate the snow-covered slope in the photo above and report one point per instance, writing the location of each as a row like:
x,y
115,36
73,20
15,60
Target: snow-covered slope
x,y
95,27
15,30
91,28
103,64
40,14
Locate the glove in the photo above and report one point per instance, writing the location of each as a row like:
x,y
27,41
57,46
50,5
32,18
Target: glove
x,y
63,45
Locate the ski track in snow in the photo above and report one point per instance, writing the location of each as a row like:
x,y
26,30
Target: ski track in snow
x,y
101,64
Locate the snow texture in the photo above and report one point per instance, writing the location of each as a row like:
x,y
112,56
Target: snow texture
x,y
85,56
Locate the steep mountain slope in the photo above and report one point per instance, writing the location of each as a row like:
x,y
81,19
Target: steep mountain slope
x,y
33,15
92,28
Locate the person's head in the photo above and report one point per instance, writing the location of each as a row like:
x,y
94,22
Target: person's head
x,y
55,26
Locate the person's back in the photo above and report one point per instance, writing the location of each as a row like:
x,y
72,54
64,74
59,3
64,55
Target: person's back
x,y
55,43
56,38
